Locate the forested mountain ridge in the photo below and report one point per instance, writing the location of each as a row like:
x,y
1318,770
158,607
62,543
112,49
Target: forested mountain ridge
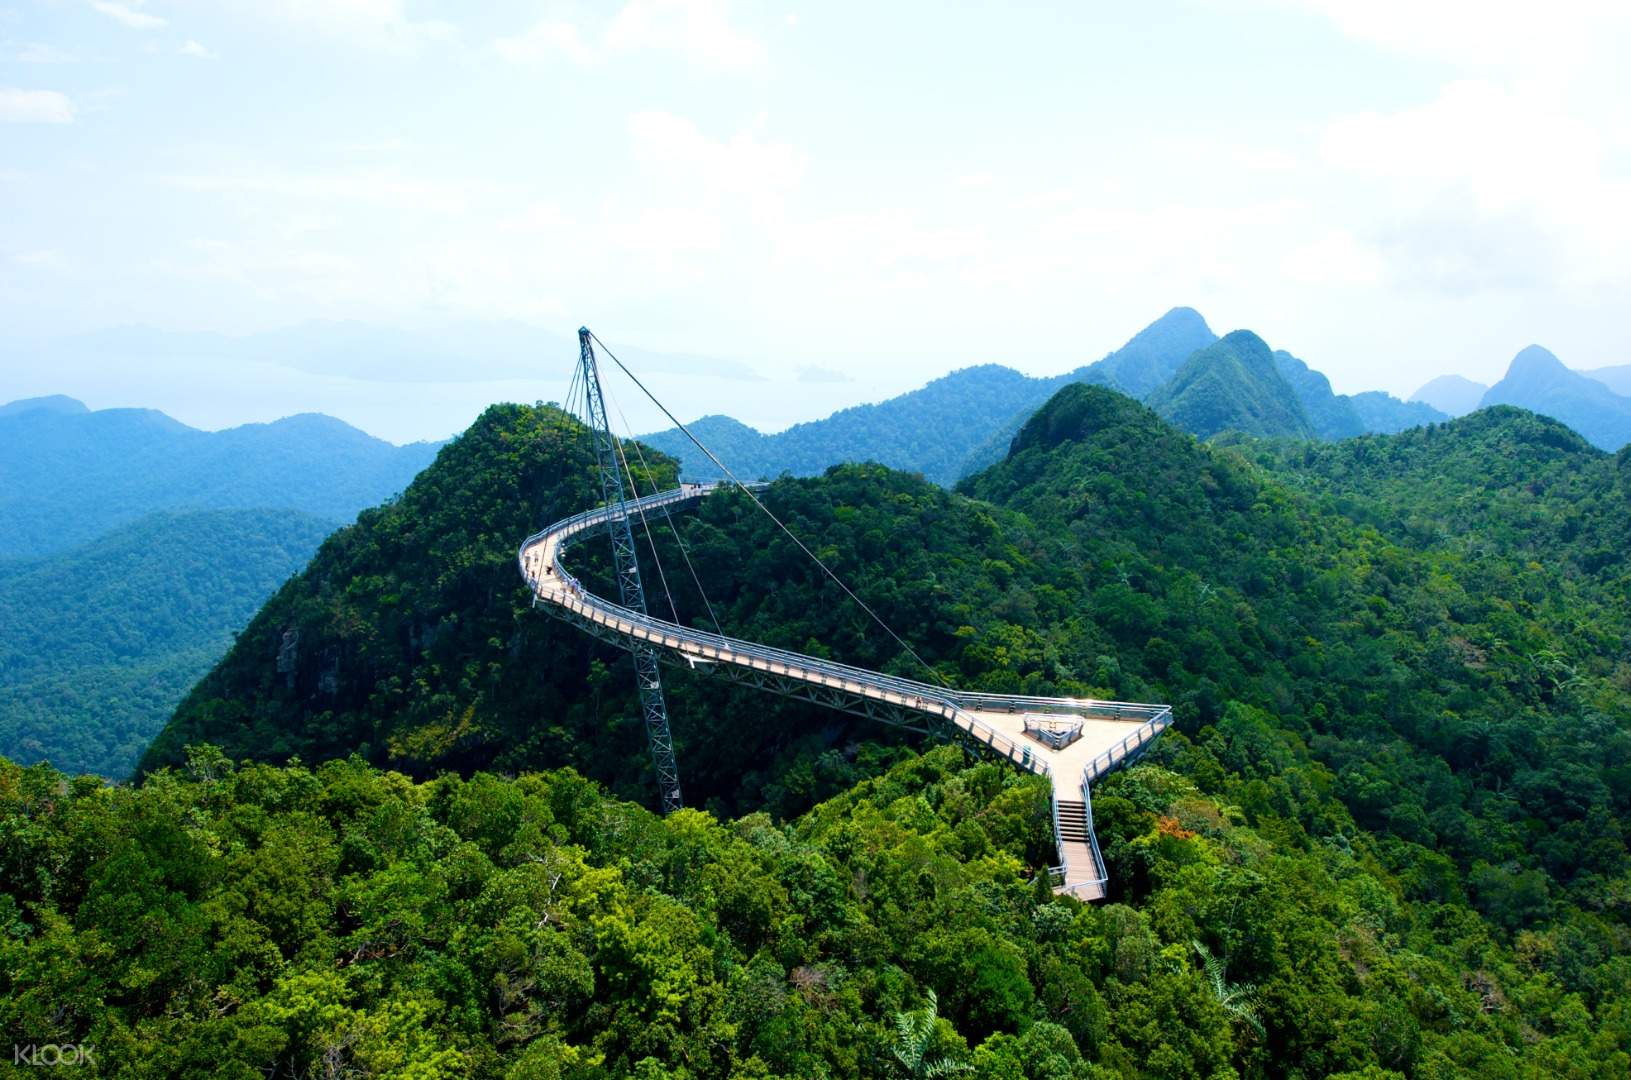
x,y
1233,385
1537,380
57,403
132,546
1151,357
1389,814
939,430
68,476
1436,686
410,637
99,644
916,429
964,422
1501,481
409,631
1334,416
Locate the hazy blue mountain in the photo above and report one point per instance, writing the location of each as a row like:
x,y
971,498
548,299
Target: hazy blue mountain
x,y
944,430
1233,385
1452,395
1617,379
960,424
67,477
54,403
98,644
1151,358
1331,415
1384,414
1539,382
1342,416
928,430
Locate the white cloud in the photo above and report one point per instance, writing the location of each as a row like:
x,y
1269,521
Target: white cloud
x,y
1051,199
390,144
1336,258
697,29
389,188
1263,159
35,107
38,53
1451,250
975,180
54,261
540,217
384,25
545,41
745,165
130,15
890,244
194,49
1501,145
659,235
1481,33
1521,160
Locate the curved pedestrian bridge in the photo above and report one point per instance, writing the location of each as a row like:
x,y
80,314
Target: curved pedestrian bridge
x,y
1071,741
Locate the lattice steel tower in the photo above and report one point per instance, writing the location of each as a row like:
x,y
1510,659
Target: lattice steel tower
x,y
629,588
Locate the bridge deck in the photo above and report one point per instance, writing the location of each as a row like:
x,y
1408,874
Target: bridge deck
x,y
1111,732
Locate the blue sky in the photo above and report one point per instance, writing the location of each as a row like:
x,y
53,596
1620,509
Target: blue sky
x,y
843,199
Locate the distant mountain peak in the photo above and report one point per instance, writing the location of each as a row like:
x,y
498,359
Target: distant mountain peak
x,y
1453,395
1154,354
1535,360
1246,339
1178,319
1076,412
311,422
1540,382
56,403
1233,385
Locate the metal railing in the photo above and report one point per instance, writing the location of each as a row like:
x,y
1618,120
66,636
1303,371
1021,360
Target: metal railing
x,y
955,706
1119,754
1054,734
890,689
1091,708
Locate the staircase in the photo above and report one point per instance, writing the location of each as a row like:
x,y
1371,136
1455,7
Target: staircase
x,y
1084,879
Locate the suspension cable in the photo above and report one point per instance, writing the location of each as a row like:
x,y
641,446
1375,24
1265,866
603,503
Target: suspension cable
x,y
651,479
720,465
651,541
570,400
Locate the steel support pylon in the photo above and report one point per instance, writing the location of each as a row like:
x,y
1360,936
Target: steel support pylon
x,y
653,707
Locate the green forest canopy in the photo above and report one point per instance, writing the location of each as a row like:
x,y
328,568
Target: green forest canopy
x,y
1393,808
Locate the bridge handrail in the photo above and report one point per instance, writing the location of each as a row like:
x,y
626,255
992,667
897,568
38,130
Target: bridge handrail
x,y
951,703
1090,707
1114,756
1096,768
571,527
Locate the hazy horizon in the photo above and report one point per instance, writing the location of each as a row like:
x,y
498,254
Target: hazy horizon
x,y
1391,192
404,405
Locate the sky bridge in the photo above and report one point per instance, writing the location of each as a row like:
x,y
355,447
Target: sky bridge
x,y
1070,741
